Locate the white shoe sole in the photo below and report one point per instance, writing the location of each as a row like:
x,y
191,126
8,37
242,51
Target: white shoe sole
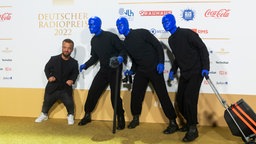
x,y
37,121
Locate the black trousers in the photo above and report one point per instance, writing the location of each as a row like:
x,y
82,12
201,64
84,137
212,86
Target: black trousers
x,y
50,99
187,97
99,84
140,84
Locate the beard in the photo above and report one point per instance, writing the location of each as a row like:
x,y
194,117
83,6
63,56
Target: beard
x,y
66,55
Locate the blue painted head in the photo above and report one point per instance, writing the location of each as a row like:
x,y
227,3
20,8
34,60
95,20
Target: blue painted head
x,y
169,23
122,25
95,25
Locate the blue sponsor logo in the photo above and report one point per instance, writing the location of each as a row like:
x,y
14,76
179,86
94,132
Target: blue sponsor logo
x,y
188,14
155,31
128,13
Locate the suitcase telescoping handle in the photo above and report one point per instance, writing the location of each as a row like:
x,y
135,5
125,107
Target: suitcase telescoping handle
x,y
225,105
222,101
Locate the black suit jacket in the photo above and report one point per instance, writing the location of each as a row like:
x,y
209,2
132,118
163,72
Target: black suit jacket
x,y
53,68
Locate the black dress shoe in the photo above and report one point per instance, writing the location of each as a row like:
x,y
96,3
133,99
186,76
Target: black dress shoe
x,y
120,122
85,120
135,122
173,127
191,135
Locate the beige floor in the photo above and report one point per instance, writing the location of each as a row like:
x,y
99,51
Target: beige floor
x,y
15,130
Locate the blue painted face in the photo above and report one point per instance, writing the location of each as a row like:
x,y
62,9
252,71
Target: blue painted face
x,y
122,26
95,25
169,23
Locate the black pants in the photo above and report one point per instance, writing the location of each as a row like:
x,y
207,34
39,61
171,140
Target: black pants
x,y
141,81
99,84
50,99
187,97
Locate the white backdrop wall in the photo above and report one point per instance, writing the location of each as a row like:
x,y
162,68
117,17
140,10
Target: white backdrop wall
x,y
32,31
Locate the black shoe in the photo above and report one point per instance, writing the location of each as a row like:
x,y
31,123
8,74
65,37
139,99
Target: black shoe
x,y
184,128
120,122
173,127
135,122
85,120
191,135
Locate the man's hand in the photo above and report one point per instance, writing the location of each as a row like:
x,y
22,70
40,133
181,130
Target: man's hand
x,y
51,79
128,73
160,68
69,82
171,75
120,59
82,67
205,72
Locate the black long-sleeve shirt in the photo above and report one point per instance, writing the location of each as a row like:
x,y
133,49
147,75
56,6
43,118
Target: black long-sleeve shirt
x,y
144,49
103,47
191,54
62,70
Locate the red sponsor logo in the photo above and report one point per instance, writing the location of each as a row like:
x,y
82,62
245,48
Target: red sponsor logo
x,y
5,16
217,13
223,72
205,82
154,13
200,31
8,69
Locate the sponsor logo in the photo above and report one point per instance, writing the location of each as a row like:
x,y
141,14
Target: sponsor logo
x,y
222,62
223,72
188,15
154,12
166,71
6,60
8,69
128,13
1,69
6,50
5,16
155,31
222,83
7,78
222,51
200,31
212,72
222,13
205,82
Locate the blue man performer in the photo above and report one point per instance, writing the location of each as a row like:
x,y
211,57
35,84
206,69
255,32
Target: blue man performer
x,y
147,57
192,58
104,45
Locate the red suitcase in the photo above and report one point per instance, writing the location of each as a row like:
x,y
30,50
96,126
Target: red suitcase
x,y
240,117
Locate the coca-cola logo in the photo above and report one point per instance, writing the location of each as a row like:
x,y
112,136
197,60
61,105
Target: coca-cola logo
x,y
5,16
217,13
